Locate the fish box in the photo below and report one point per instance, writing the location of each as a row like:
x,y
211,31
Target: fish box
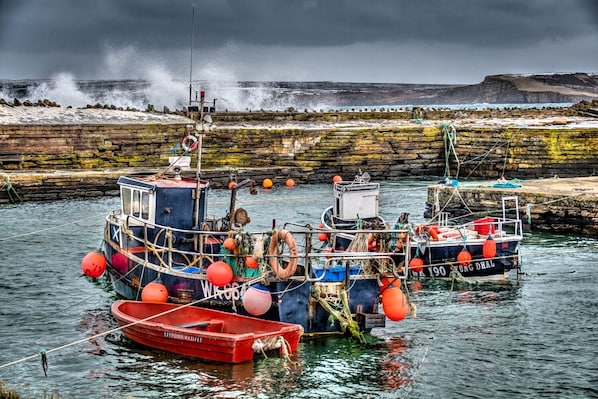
x,y
484,226
335,273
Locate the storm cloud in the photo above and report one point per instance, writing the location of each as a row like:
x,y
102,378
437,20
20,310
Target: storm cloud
x,y
409,41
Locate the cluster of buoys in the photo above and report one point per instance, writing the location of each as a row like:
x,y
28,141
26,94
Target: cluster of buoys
x,y
93,264
268,183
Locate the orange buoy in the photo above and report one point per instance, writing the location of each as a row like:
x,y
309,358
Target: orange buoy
x,y
290,183
389,282
337,179
231,184
257,300
267,183
394,303
464,258
323,237
416,264
230,244
219,273
250,262
154,291
372,246
489,247
93,264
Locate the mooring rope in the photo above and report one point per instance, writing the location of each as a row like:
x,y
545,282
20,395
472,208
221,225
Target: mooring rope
x,y
44,352
420,365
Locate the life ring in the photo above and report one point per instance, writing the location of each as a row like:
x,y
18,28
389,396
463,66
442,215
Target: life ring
x,y
282,272
189,143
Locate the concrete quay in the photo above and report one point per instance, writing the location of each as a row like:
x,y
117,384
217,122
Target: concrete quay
x,y
555,205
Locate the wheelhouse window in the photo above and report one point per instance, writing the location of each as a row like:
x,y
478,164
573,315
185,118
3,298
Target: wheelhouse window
x,y
138,203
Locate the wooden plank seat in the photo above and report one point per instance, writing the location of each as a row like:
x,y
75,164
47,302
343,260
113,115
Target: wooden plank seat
x,y
8,157
212,325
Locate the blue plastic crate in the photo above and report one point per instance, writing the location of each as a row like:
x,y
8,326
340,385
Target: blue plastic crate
x,y
335,273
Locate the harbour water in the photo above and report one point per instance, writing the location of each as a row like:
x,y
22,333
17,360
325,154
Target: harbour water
x,y
535,338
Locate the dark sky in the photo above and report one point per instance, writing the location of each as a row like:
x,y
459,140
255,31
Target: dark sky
x,y
406,41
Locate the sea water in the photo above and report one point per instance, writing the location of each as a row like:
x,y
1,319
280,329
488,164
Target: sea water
x,y
535,338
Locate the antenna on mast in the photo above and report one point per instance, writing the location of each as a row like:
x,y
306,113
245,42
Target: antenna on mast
x,y
191,55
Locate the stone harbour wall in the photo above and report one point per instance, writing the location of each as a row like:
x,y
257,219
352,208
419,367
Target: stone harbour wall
x,y
309,151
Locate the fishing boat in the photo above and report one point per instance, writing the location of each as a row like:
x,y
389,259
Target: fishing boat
x,y
356,206
485,249
203,333
161,246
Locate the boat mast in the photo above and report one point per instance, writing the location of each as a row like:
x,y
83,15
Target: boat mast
x,y
191,55
199,132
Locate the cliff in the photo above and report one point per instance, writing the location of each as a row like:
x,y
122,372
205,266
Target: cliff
x,y
517,89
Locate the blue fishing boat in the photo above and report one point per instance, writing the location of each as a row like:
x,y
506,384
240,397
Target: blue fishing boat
x,y
161,245
480,249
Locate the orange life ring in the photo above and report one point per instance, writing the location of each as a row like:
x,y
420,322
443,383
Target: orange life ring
x,y
281,272
189,143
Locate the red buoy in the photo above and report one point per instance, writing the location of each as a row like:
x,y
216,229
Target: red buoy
x,y
323,237
219,273
416,264
464,258
389,282
230,244
154,291
250,262
290,183
120,263
489,247
394,303
231,184
337,179
93,264
257,300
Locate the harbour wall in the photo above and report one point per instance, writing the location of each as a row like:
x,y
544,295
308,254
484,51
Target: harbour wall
x,y
308,147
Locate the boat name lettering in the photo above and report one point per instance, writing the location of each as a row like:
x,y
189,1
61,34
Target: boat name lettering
x,y
465,269
438,271
181,337
229,292
486,264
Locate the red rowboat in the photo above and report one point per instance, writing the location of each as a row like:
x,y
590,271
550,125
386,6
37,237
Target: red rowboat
x,y
204,333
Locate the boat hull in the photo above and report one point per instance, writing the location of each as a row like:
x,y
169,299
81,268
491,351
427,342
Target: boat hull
x,y
203,333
